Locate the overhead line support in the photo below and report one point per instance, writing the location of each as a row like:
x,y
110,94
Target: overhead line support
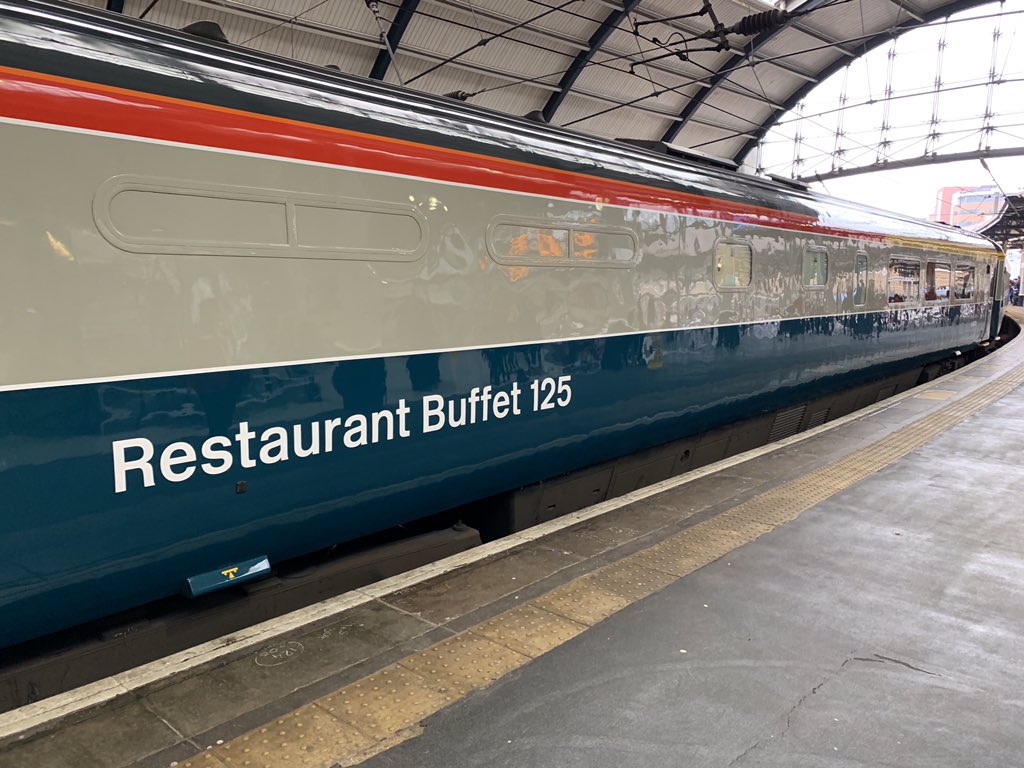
x,y
395,33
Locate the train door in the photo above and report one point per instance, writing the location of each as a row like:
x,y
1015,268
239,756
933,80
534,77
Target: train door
x,y
1000,284
860,279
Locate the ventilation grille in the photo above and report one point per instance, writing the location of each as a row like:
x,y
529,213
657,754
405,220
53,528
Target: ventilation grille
x,y
787,423
817,418
885,392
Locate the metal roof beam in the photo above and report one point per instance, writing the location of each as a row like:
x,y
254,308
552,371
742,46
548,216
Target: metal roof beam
x,y
368,41
581,45
237,8
510,21
575,69
613,53
396,31
914,162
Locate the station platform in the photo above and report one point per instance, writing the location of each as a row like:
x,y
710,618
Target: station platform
x,y
849,596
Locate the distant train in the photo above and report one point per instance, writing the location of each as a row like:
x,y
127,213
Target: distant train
x,y
251,307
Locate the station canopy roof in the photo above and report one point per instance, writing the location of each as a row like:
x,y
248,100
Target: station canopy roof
x,y
1007,226
711,77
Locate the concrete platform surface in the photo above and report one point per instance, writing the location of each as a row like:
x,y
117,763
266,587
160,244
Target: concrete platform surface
x,y
884,627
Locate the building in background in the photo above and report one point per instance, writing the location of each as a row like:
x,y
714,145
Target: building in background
x,y
967,207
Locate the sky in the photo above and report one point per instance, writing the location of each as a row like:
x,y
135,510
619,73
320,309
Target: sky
x,y
960,56
913,191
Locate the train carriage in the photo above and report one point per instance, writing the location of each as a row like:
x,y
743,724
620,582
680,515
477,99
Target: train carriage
x,y
251,308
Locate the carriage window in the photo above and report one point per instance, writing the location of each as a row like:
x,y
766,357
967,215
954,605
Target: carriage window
x,y
963,287
904,280
521,243
733,264
937,278
815,268
860,279
516,243
598,246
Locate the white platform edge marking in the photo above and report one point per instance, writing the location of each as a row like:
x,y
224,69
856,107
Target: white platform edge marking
x,y
31,716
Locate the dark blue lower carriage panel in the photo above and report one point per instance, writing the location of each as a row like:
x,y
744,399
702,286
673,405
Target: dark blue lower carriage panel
x,y
115,493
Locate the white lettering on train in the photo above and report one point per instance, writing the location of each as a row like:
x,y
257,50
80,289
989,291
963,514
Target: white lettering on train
x,y
134,457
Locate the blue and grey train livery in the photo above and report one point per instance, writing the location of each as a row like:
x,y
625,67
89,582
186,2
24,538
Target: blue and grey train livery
x,y
223,271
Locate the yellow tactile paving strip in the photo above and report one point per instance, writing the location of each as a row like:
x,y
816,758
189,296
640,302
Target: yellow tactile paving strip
x,y
373,714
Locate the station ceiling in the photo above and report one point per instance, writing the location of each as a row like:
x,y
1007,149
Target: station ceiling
x,y
711,77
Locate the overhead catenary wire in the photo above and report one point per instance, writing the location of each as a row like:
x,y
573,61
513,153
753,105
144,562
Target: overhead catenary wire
x,y
744,24
546,77
280,24
542,79
651,79
484,41
999,186
476,26
748,63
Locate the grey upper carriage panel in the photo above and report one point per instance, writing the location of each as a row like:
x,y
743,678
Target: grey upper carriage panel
x,y
348,260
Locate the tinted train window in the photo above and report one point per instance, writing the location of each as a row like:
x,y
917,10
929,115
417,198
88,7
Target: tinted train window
x,y
963,286
904,282
937,277
512,242
594,245
815,268
530,243
733,264
860,280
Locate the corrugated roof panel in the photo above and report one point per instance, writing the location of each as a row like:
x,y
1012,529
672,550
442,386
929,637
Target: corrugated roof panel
x,y
316,49
497,94
514,100
593,117
764,82
623,86
573,23
713,141
849,20
449,79
522,57
600,106
800,49
176,14
483,26
729,111
550,38
353,16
